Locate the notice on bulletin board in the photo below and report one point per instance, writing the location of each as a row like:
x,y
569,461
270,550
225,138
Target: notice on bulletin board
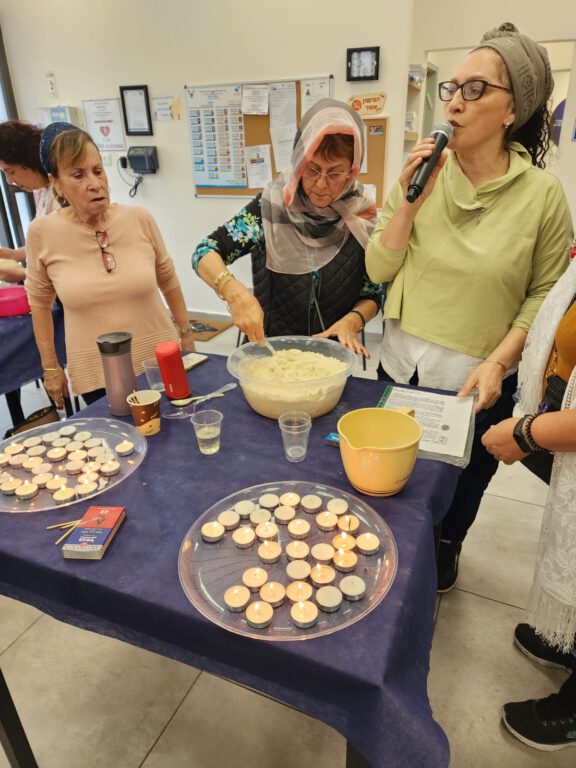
x,y
217,135
104,123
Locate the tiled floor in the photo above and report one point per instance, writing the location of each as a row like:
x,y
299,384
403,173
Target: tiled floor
x,y
91,702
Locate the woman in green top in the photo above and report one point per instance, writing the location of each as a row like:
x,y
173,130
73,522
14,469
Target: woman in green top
x,y
473,258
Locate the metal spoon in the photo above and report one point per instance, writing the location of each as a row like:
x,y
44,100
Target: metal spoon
x,y
185,412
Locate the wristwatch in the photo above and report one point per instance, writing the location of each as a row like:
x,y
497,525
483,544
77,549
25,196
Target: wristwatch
x,y
518,435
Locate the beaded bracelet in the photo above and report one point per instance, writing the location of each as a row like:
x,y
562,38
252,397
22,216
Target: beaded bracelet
x,y
527,432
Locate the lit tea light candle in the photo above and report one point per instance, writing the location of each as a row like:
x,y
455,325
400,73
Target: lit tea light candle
x,y
283,515
57,454
92,466
73,445
298,528
260,515
298,570
368,543
13,449
353,587
254,578
338,506
289,499
229,519
345,560
41,469
92,442
244,508
26,491
110,468
8,487
243,537
42,480
74,467
326,521
67,430
49,437
322,553
269,551
299,591
259,614
77,455
297,550
97,452
212,531
83,436
304,614
321,575
4,459
269,501
349,523
85,489
311,503
88,477
237,598
31,442
273,593
36,450
17,460
344,541
329,599
61,442
267,531
56,483
64,495
125,448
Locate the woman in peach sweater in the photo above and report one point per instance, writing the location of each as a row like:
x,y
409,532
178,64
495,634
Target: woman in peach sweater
x,y
107,264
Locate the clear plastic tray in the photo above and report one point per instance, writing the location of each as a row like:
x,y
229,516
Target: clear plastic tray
x,y
207,570
110,431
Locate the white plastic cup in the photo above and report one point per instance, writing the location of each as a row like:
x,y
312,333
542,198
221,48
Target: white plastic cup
x,y
207,427
153,375
295,429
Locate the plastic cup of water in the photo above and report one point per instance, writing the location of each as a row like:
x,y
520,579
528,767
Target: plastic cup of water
x,y
207,427
295,429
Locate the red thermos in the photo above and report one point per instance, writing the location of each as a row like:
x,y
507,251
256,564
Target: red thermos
x,y
172,370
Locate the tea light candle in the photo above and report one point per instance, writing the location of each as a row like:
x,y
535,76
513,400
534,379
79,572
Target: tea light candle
x,y
96,452
42,479
67,430
311,503
244,508
304,614
56,454
338,506
81,437
269,501
267,531
322,553
297,550
273,593
259,614
61,442
74,445
299,591
321,575
88,477
4,459
36,450
110,468
349,523
92,442
17,459
345,560
329,599
269,551
243,537
298,528
40,469
49,437
27,490
31,461
8,487
289,499
344,541
125,448
13,449
103,458
30,442
260,515
298,570
85,489
212,531
64,495
326,521
55,483
229,519
77,455
353,587
283,515
368,543
74,467
254,578
92,466
237,598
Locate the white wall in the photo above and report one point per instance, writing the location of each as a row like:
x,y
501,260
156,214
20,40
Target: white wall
x,y
93,46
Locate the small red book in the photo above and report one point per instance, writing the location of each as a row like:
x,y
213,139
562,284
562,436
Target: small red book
x,y
93,534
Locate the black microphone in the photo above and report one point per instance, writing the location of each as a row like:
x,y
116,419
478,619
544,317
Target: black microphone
x,y
441,134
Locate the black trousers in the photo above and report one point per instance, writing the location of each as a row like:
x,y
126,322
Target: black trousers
x,y
568,693
91,397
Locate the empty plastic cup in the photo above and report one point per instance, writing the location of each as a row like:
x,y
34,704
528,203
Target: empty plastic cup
x,y
153,375
295,428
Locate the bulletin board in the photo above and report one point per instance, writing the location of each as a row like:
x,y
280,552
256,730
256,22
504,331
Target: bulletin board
x,y
376,128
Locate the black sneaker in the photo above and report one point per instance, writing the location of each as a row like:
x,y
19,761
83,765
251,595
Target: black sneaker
x,y
539,651
447,564
544,724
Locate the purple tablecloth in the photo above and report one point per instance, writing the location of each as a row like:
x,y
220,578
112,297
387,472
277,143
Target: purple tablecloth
x,y
367,681
19,358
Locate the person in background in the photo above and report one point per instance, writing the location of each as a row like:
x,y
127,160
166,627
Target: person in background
x,y
306,233
547,377
107,263
471,261
20,162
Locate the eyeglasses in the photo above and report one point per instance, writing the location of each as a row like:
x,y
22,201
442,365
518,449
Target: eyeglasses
x,y
332,177
107,258
472,90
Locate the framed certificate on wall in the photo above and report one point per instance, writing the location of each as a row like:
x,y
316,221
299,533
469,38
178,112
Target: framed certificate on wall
x,y
136,110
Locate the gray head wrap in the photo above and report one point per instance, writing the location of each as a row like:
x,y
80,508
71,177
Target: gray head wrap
x,y
49,134
528,67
